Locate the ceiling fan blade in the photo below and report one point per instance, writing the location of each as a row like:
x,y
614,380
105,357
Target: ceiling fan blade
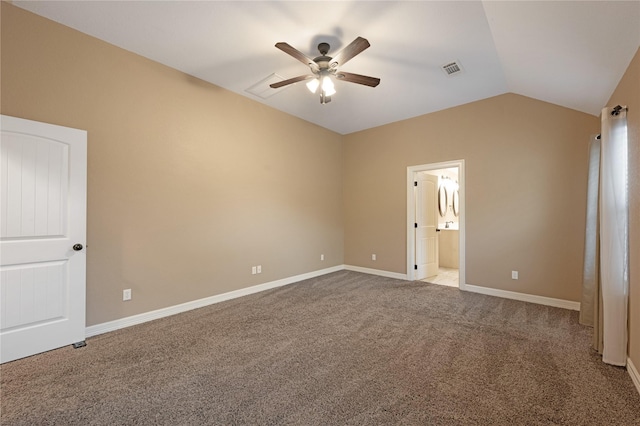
x,y
291,81
292,51
356,46
357,78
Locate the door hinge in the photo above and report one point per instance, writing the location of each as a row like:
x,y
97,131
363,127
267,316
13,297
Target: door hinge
x,y
415,183
415,225
415,267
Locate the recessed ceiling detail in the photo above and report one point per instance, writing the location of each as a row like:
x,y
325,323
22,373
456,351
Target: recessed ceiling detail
x,y
262,89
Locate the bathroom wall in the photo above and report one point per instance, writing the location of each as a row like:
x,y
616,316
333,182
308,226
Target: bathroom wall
x,y
448,240
448,178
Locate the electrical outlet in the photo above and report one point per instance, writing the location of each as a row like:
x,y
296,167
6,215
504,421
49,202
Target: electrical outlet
x,y
373,257
514,275
259,269
322,257
126,294
253,270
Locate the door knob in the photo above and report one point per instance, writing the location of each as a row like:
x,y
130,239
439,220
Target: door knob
x,y
77,247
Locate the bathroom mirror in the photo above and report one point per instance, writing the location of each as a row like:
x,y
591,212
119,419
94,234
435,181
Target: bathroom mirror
x,y
456,203
442,200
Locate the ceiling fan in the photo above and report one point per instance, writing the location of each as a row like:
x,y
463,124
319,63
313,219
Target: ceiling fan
x,y
324,67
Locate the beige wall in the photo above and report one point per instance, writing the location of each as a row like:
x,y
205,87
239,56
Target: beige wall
x,y
628,93
526,171
189,185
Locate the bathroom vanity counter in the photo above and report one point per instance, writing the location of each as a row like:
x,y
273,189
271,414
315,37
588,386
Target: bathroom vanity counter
x,y
449,247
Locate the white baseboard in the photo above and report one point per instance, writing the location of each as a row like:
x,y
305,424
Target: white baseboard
x,y
633,372
94,330
380,272
541,300
106,327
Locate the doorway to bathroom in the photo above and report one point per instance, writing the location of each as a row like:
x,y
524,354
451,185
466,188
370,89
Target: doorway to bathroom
x,y
435,223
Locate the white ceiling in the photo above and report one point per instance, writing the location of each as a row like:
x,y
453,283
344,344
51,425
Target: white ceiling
x,y
568,53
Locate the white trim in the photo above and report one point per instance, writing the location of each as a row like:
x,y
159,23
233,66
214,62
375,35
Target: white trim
x,y
540,300
411,171
633,372
105,327
380,272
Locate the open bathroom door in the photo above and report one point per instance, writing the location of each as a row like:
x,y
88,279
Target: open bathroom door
x,y
426,237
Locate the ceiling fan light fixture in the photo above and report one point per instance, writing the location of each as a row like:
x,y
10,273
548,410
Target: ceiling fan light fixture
x,y
313,85
327,86
324,67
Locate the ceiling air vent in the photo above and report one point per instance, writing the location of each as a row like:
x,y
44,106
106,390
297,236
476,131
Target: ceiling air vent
x,y
452,68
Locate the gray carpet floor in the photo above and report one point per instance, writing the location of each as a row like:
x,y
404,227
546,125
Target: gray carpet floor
x,y
342,349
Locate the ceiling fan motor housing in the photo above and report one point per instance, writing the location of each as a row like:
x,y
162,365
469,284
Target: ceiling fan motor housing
x,y
323,60
323,48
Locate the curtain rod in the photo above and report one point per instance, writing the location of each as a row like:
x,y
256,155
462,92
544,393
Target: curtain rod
x,y
617,109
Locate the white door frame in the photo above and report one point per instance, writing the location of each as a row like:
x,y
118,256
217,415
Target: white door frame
x,y
411,208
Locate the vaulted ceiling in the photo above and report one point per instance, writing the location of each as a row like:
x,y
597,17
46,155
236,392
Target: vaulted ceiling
x,y
570,53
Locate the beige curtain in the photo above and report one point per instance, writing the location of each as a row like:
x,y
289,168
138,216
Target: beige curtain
x,y
606,256
590,313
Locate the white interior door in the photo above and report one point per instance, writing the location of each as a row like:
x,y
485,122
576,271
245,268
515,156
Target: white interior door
x,y
43,216
426,237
